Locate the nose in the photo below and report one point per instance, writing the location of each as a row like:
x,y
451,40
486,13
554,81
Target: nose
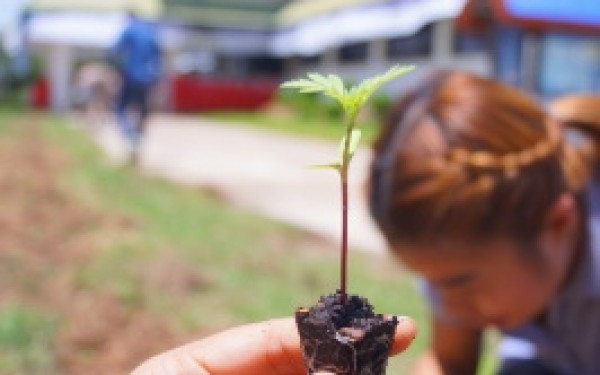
x,y
486,308
475,308
463,307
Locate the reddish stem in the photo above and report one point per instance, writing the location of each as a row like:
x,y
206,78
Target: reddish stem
x,y
344,243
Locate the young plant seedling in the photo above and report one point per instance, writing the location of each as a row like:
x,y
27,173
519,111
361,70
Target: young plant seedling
x,y
352,100
341,334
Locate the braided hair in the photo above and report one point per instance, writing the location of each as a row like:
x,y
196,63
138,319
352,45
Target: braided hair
x,y
469,158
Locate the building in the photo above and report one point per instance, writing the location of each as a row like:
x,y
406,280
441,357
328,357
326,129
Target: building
x,y
549,47
519,41
360,40
353,38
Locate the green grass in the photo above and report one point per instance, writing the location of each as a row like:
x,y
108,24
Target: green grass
x,y
25,341
7,116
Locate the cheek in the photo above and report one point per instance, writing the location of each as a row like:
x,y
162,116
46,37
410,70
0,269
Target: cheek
x,y
460,306
517,298
497,300
483,301
465,302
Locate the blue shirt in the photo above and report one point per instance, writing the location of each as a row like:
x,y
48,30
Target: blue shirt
x,y
138,53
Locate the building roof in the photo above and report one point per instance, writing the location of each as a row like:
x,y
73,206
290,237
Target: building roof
x,y
364,21
300,10
559,15
83,29
295,27
237,14
262,14
146,8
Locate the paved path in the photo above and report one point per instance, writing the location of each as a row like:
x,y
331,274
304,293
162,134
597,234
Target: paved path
x,y
257,170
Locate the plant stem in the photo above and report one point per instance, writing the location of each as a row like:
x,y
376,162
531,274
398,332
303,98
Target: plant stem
x,y
344,244
344,186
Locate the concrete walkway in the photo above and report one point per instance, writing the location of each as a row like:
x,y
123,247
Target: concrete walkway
x,y
257,170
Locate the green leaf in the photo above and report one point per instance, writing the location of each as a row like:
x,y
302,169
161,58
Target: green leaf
x,y
331,85
353,145
335,165
303,85
316,77
359,94
337,84
351,99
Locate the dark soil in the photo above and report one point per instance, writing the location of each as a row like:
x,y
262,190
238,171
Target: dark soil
x,y
345,337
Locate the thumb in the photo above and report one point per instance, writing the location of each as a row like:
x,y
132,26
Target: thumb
x,y
406,331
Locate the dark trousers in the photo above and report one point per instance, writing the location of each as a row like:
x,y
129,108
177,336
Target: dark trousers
x,y
525,367
133,110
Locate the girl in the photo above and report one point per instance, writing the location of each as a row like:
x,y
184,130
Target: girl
x,y
477,189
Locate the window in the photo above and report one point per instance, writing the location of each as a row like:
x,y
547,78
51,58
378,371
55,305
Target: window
x,y
574,71
507,58
354,52
471,42
310,60
416,45
264,65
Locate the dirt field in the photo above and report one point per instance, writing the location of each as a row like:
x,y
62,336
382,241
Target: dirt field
x,y
45,236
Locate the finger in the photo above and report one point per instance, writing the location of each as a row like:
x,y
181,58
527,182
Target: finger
x,y
406,331
281,341
265,348
271,347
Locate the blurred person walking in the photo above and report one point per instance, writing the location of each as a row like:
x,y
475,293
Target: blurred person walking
x,y
96,86
496,203
138,57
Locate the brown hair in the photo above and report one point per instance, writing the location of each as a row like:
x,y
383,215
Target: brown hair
x,y
580,116
466,157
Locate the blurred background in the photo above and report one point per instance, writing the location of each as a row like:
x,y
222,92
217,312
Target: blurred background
x,y
219,223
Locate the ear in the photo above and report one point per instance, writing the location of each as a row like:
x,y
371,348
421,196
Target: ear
x,y
561,223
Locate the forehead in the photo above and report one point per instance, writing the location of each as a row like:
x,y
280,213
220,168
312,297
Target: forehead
x,y
439,260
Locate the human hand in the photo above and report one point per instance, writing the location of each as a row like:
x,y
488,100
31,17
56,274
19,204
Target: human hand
x,y
265,348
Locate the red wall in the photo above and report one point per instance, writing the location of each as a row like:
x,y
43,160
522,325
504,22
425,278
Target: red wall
x,y
197,93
